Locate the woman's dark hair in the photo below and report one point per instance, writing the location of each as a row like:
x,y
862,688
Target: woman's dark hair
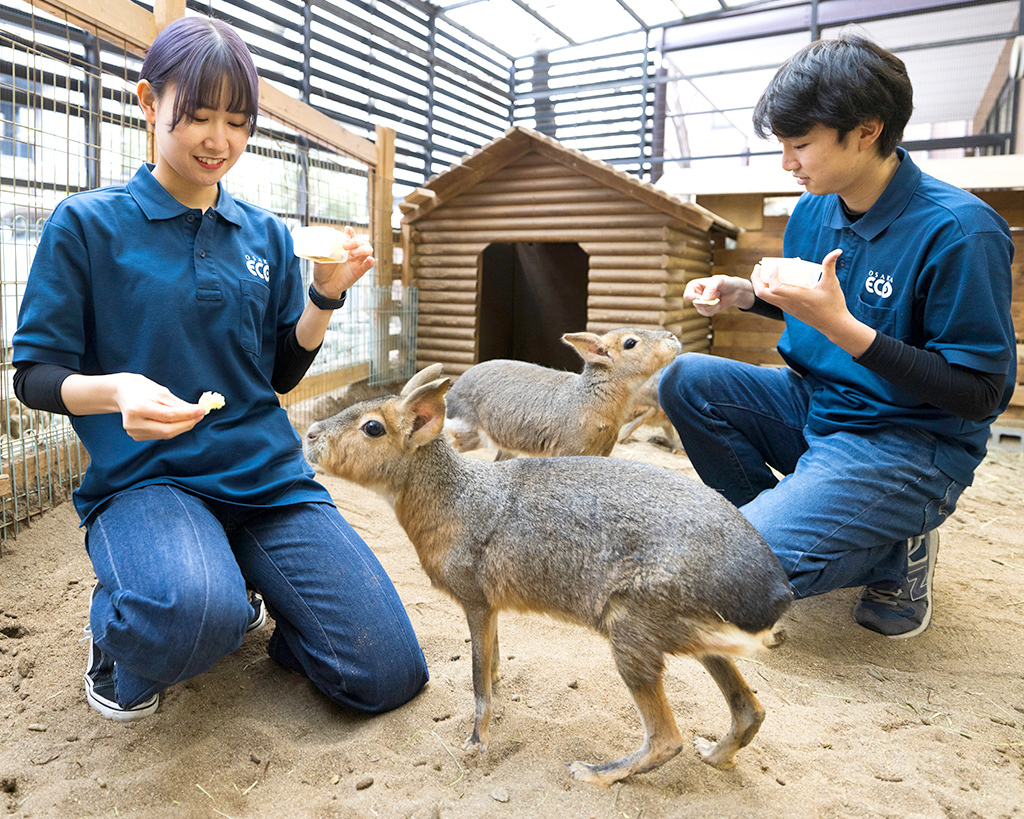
x,y
840,84
198,54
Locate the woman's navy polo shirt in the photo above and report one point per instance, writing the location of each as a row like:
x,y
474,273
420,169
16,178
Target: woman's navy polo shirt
x,y
127,279
928,264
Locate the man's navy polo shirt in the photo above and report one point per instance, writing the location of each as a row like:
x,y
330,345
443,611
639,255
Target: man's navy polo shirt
x,y
127,279
928,264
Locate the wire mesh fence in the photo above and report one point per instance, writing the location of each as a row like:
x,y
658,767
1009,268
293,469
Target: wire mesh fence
x,y
69,122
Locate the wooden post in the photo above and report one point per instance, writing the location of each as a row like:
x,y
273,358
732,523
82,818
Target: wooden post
x,y
406,255
167,11
383,179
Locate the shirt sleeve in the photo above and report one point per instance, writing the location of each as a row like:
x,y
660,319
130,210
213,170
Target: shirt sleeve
x,y
967,393
53,321
291,362
37,386
766,310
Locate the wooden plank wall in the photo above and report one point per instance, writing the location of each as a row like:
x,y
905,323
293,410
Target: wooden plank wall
x,y
640,259
750,338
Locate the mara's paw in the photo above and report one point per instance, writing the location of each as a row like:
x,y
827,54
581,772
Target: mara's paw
x,y
472,745
583,772
713,754
776,637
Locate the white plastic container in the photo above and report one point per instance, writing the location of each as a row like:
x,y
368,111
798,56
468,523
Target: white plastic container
x,y
320,243
796,272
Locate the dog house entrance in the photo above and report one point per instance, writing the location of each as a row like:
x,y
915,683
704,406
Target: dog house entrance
x,y
530,294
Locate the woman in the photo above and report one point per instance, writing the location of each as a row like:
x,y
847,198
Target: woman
x,y
143,296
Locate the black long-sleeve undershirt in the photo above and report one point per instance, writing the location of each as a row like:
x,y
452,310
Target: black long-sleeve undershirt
x,y
38,385
970,394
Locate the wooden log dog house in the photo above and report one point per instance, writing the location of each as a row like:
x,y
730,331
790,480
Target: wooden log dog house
x,y
525,240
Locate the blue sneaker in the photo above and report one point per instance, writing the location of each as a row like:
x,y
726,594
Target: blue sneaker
x,y
906,611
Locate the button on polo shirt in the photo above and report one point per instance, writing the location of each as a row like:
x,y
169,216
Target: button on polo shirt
x,y
127,279
928,264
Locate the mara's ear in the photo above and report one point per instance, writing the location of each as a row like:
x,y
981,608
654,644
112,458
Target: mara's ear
x,y
590,346
424,408
424,376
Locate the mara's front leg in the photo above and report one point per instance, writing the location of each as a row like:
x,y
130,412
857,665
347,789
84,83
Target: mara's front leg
x,y
483,630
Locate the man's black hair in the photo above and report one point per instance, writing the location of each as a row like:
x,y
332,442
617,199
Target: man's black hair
x,y
840,84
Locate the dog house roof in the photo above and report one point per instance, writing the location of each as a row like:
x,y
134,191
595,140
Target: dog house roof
x,y
517,142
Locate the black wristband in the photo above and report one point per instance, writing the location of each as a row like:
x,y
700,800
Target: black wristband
x,y
324,303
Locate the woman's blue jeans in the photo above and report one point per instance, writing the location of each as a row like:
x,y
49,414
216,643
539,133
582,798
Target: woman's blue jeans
x,y
847,502
172,600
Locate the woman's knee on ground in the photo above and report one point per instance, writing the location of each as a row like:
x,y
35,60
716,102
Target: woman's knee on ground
x,y
178,634
377,681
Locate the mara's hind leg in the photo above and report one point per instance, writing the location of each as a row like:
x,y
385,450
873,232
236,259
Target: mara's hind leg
x,y
641,668
463,437
747,713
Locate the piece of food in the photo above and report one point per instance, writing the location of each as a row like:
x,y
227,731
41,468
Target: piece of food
x,y
791,271
709,302
210,401
320,243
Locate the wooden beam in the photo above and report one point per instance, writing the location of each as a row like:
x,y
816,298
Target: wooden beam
x,y
313,385
448,298
444,274
118,19
557,195
279,105
580,211
568,182
613,225
444,261
123,20
464,321
581,235
447,285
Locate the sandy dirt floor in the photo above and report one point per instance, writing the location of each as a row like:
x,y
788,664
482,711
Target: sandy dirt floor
x,y
857,725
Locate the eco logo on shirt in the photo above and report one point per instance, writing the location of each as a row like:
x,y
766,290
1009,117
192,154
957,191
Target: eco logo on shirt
x,y
879,284
258,267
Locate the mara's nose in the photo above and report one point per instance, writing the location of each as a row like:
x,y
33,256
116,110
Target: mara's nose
x,y
314,431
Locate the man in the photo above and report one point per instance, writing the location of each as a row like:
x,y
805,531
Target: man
x,y
898,359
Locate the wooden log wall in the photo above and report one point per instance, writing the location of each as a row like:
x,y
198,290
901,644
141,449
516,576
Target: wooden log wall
x,y
746,337
1010,205
640,259
734,334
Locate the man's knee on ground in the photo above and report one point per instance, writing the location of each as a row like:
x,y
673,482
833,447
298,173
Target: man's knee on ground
x,y
681,379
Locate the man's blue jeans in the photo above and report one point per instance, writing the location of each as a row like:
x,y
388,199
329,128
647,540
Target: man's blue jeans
x,y
171,600
847,502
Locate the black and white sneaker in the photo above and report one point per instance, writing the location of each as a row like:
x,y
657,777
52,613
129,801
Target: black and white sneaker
x,y
259,616
906,611
99,688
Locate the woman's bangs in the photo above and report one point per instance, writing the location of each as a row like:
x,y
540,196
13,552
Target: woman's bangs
x,y
204,87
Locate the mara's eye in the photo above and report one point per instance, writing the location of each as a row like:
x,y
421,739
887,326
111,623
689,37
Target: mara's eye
x,y
629,343
373,428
